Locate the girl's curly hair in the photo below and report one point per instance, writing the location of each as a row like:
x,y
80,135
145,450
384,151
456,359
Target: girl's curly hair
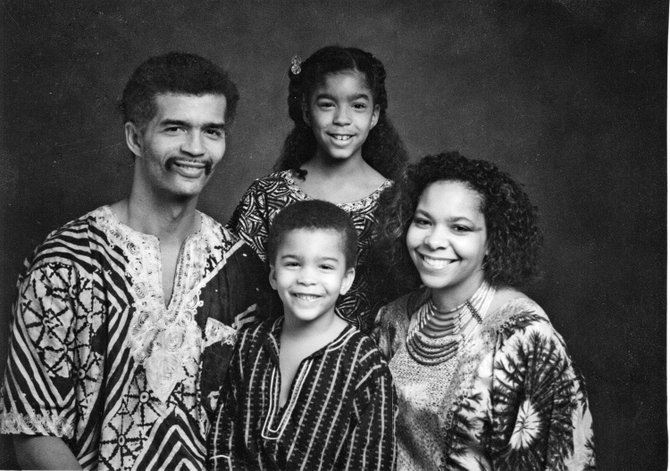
x,y
383,149
513,235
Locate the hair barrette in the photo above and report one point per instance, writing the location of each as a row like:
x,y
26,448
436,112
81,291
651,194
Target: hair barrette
x,y
295,65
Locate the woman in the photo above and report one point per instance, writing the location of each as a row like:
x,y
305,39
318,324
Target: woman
x,y
483,379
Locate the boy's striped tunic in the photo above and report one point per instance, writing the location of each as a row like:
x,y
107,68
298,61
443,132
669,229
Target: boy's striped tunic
x,y
99,360
339,414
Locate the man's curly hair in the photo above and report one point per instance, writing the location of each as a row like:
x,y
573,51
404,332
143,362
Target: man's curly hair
x,y
383,150
513,235
179,73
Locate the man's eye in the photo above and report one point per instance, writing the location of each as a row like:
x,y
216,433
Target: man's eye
x,y
215,132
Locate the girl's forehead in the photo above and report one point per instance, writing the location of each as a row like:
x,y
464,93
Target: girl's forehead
x,y
347,78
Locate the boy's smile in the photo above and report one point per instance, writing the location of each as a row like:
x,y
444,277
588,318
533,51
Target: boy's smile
x,y
310,273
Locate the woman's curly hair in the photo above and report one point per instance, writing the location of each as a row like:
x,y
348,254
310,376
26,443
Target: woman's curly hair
x,y
513,235
383,149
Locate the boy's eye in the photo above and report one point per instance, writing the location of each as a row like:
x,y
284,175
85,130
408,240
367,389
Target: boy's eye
x,y
327,267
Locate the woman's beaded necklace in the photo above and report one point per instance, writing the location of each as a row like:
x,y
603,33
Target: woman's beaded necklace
x,y
438,335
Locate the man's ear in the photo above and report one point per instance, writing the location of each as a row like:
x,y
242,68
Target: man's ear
x,y
375,117
348,280
273,277
133,138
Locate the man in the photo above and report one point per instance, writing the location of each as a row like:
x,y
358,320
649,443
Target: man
x,y
126,317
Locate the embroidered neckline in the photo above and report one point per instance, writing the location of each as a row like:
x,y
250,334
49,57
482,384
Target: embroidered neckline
x,y
349,206
166,341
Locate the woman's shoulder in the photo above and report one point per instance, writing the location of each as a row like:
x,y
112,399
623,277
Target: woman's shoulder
x,y
514,314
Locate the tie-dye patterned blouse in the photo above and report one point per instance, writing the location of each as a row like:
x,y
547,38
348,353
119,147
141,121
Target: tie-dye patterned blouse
x,y
509,399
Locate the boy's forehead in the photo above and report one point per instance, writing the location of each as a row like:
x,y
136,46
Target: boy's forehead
x,y
306,239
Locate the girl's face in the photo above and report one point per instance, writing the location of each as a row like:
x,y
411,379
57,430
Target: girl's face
x,y
446,240
341,113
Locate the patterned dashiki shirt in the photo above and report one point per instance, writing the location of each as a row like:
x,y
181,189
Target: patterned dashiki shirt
x,y
267,196
339,413
510,398
97,358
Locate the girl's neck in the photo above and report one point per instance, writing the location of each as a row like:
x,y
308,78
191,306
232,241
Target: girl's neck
x,y
341,182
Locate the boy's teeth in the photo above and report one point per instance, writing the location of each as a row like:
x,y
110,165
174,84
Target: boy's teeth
x,y
307,297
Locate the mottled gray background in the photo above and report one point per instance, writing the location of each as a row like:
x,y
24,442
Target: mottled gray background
x,y
568,96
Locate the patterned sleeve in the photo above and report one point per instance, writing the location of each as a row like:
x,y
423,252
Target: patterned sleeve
x,y
541,417
38,392
219,446
250,219
372,445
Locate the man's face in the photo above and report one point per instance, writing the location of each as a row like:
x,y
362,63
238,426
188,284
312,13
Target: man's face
x,y
178,149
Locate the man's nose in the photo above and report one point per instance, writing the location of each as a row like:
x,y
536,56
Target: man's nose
x,y
193,143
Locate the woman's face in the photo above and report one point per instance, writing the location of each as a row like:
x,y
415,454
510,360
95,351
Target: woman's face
x,y
446,240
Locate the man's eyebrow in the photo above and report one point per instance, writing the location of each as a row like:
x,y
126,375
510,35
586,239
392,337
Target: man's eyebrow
x,y
177,122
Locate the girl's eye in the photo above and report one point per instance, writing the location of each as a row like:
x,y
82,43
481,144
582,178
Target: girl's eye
x,y
325,104
327,267
360,106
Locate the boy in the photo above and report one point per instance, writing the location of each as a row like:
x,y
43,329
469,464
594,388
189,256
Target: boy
x,y
307,390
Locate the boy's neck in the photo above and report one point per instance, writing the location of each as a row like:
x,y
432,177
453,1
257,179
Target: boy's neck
x,y
313,335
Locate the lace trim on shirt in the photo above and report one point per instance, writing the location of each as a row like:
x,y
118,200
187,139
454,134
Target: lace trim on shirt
x,y
357,205
166,341
36,424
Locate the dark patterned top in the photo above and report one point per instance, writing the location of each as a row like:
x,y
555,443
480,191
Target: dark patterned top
x,y
510,399
97,358
269,195
339,413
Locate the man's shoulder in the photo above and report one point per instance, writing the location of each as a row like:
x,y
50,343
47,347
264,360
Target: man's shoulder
x,y
74,235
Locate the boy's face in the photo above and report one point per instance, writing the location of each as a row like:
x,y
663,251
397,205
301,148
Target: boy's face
x,y
309,273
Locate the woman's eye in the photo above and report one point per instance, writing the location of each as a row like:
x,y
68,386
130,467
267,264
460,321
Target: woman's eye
x,y
421,222
460,228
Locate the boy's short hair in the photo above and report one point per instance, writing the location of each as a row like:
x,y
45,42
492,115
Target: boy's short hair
x,y
313,215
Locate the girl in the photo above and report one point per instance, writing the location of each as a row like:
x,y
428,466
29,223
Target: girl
x,y
342,149
483,379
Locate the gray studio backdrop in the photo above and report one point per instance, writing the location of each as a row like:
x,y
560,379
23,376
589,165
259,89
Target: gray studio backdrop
x,y
568,96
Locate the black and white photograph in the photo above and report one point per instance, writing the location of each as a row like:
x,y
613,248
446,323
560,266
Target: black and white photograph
x,y
318,235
